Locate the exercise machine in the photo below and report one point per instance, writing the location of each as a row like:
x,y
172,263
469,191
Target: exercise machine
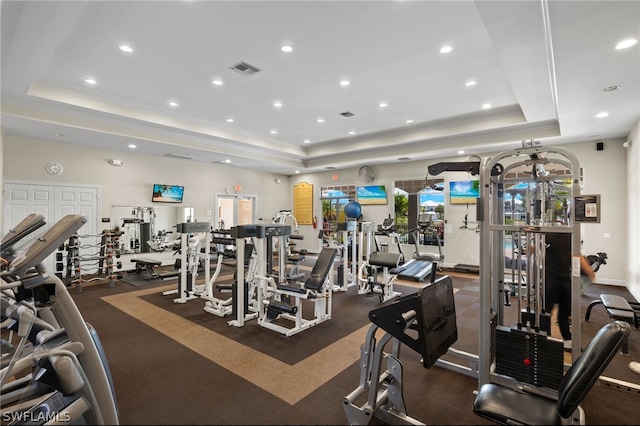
x,y
424,321
195,244
412,269
245,302
347,269
225,306
25,227
145,267
379,262
548,178
286,300
543,176
506,405
415,236
81,390
294,256
280,301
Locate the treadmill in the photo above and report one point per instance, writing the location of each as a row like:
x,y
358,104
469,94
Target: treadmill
x,y
413,269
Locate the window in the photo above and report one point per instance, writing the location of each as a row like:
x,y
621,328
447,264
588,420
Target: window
x,y
425,210
333,200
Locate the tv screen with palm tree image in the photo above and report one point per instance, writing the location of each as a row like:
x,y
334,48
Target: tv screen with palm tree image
x,y
371,194
167,193
464,192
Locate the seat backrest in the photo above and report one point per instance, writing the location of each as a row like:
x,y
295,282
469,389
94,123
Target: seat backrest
x,y
321,269
588,367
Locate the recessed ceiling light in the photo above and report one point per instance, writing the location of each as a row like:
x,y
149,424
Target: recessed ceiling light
x,y
486,106
307,141
470,83
345,83
90,80
383,105
626,43
229,120
409,121
297,171
125,48
602,114
286,48
227,161
352,132
132,146
446,49
611,88
173,104
274,132
320,120
461,152
217,82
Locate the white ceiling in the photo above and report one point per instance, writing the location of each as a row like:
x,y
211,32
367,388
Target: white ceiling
x,y
541,65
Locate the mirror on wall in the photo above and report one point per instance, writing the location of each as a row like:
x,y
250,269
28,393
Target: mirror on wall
x,y
140,224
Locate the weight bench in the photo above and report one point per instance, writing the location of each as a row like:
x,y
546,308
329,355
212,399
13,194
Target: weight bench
x,y
618,308
147,264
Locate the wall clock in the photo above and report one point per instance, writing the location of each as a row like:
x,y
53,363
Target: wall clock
x,y
54,168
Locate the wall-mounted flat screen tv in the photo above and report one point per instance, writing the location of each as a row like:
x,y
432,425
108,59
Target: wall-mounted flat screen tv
x,y
371,194
167,193
464,192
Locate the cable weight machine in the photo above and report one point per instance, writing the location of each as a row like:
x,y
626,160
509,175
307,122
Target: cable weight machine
x,y
514,355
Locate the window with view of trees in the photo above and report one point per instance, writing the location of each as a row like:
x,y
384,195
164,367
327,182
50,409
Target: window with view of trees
x,y
425,210
333,200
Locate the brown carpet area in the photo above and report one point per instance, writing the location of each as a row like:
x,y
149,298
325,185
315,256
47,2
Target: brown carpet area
x,y
176,364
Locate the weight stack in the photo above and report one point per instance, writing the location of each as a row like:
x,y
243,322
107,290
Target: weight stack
x,y
529,357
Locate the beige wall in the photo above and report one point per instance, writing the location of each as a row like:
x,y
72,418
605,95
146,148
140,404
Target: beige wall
x,y
131,183
605,173
633,210
613,173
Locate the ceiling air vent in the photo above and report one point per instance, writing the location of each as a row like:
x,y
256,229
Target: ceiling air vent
x,y
185,156
245,68
329,168
404,158
346,114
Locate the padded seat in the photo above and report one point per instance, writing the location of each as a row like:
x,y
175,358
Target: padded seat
x,y
499,404
384,258
506,405
617,308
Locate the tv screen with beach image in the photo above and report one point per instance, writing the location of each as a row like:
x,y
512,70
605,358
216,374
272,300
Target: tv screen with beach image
x,y
372,194
167,193
464,192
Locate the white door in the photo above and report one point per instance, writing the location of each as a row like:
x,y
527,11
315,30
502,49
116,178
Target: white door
x,y
53,202
22,200
84,201
233,210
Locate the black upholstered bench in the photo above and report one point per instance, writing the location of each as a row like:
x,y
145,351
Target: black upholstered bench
x,y
147,264
617,308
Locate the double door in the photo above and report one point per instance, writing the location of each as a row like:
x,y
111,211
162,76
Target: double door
x,y
53,202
